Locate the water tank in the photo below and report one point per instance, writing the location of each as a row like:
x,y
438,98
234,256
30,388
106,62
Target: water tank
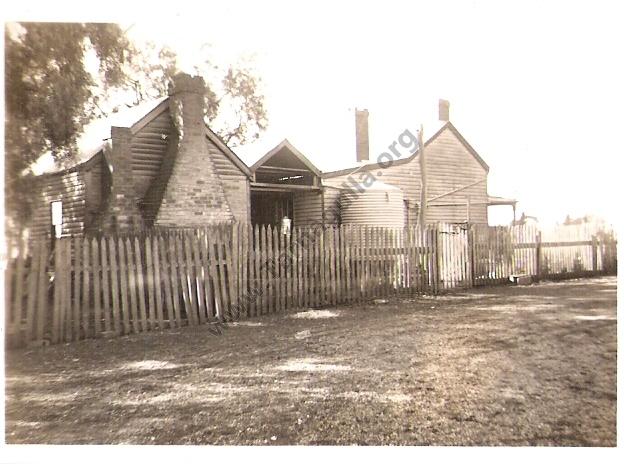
x,y
378,205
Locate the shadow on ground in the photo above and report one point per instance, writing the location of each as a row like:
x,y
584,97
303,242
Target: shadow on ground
x,y
531,365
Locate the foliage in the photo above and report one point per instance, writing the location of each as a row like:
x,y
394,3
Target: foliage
x,y
59,76
234,106
49,92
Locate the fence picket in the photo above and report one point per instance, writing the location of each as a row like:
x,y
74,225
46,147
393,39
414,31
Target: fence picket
x,y
209,290
185,310
190,281
97,291
72,322
199,282
150,286
105,287
258,294
132,286
162,256
331,266
231,273
86,306
281,265
32,291
176,278
56,309
223,276
15,310
304,239
122,284
273,273
141,271
67,291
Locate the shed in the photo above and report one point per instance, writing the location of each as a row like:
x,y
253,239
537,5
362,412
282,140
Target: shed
x,y
285,184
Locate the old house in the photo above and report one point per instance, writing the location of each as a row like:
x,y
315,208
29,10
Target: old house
x,y
285,184
456,176
159,166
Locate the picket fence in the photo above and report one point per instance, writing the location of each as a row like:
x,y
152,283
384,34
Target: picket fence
x,y
77,288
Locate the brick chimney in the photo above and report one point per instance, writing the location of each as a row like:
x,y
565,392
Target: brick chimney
x,y
122,213
443,110
194,195
361,135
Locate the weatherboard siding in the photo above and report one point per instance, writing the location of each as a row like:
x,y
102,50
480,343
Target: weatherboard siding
x,y
235,183
149,146
450,165
154,149
81,191
308,211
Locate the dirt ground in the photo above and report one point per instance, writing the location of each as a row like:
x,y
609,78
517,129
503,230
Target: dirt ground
x,y
532,365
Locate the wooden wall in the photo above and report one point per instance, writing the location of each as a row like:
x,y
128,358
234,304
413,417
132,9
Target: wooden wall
x,y
235,184
81,189
450,165
84,188
149,146
308,209
155,174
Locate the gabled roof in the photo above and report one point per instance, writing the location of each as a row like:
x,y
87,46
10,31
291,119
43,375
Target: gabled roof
x,y
82,165
400,161
285,144
227,151
148,117
96,135
464,142
212,136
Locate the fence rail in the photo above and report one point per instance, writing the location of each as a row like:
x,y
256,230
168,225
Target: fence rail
x,y
79,288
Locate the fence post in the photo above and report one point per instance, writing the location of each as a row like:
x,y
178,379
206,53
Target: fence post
x,y
594,254
538,256
437,256
471,266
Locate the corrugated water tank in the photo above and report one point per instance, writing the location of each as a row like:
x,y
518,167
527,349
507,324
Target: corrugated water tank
x,y
378,205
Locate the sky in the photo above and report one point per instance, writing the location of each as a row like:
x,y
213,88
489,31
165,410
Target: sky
x,y
535,87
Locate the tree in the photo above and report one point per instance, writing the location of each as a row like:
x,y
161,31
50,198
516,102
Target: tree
x,y
59,76
49,93
234,106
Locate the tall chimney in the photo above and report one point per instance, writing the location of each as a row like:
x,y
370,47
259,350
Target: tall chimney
x,y
122,212
443,110
194,194
361,135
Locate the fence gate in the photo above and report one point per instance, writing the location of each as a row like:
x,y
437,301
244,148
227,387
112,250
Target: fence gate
x,y
493,254
454,266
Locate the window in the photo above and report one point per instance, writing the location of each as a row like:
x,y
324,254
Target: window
x,y
56,211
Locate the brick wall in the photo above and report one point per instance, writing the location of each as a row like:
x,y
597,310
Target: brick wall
x,y
194,195
122,211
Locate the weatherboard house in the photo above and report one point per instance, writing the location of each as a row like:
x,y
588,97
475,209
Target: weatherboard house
x,y
456,180
158,165
155,165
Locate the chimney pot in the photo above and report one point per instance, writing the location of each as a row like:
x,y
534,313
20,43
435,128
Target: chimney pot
x,y
361,135
443,110
183,82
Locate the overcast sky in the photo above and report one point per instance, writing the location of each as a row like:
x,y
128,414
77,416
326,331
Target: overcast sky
x,y
535,87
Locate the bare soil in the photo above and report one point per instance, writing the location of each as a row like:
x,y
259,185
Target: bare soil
x,y
513,365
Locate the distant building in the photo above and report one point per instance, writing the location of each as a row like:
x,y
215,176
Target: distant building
x,y
456,176
159,165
